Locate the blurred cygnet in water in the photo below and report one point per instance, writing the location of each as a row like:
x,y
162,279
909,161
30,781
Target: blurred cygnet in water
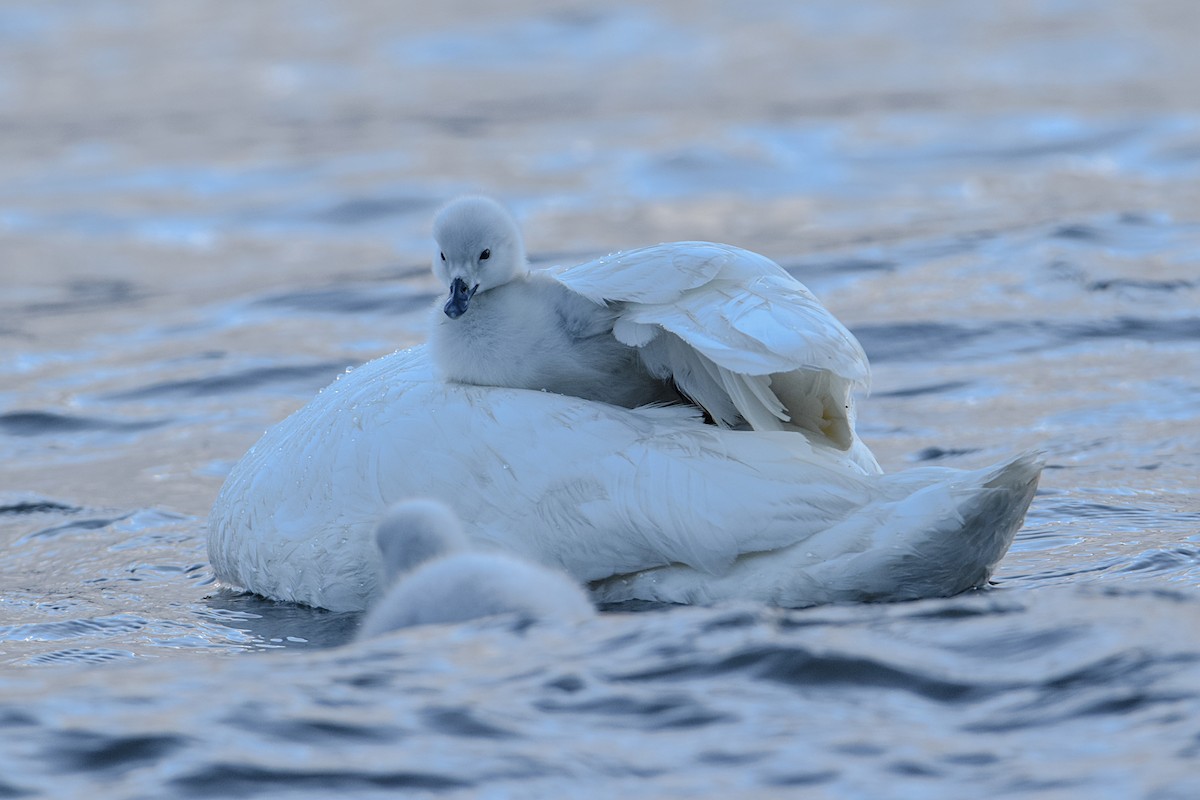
x,y
434,578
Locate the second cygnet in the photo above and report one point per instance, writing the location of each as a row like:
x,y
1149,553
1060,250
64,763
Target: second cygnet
x,y
435,578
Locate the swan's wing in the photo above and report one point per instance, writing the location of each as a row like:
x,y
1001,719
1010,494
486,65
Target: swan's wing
x,y
658,274
737,334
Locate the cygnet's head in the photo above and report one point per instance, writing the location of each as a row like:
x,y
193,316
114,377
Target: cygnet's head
x,y
416,531
435,578
479,248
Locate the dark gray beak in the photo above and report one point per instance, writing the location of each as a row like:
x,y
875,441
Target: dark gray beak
x,y
460,297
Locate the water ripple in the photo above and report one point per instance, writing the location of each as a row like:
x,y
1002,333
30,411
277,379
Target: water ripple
x,y
71,526
246,380
909,341
72,628
351,300
37,506
802,668
693,694
46,423
98,753
240,780
76,656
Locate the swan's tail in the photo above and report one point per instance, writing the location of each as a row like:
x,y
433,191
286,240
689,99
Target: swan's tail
x,y
931,532
941,539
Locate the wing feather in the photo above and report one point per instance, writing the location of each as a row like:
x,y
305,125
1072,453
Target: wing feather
x,y
738,334
649,275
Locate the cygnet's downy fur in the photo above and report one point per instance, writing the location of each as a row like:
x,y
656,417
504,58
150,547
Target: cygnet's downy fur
x,y
504,325
722,328
436,579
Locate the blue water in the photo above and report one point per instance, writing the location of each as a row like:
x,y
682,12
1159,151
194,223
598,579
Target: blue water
x,y
202,225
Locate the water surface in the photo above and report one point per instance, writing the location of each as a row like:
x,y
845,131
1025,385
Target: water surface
x,y
202,224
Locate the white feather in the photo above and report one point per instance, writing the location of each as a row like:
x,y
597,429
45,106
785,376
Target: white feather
x,y
605,493
748,317
730,328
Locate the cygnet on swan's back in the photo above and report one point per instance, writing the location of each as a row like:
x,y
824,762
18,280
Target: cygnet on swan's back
x,y
506,326
436,579
728,329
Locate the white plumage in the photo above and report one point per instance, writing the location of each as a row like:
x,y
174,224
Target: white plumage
x,y
434,576
643,503
730,329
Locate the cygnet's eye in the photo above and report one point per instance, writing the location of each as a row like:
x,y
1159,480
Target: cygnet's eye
x,y
485,255
443,256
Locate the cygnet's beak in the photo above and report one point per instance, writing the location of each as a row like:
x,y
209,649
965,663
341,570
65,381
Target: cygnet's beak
x,y
460,297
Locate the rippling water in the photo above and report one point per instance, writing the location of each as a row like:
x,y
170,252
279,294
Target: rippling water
x,y
202,224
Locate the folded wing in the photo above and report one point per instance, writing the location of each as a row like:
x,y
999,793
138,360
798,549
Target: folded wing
x,y
737,334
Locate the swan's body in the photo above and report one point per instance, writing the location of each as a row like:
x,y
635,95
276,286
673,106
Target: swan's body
x,y
644,503
730,329
435,578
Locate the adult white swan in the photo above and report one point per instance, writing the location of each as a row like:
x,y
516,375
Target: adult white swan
x,y
640,503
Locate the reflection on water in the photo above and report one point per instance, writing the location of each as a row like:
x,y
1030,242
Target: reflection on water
x,y
202,225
